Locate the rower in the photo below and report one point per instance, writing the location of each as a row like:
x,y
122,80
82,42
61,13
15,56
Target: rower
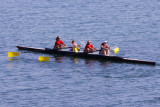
x,y
105,48
75,46
59,44
89,48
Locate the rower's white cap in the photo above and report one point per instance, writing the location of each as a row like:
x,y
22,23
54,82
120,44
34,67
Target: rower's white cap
x,y
105,41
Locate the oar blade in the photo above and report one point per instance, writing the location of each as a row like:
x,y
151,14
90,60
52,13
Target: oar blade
x,y
43,58
13,54
76,50
116,50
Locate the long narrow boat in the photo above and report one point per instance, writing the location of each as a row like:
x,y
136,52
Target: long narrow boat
x,y
86,55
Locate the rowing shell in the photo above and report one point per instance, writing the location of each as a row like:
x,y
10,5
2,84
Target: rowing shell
x,y
86,55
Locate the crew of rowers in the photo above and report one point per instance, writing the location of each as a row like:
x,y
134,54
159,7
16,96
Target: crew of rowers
x,y
89,48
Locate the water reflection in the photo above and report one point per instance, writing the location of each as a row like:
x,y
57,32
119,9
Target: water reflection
x,y
90,63
59,59
12,59
76,60
10,64
105,63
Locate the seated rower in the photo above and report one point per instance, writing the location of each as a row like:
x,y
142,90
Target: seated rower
x,y
59,44
104,48
89,48
74,46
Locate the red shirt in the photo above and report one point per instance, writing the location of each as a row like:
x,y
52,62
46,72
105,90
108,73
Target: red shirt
x,y
58,43
89,46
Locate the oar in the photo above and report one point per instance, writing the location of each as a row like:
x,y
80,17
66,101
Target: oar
x,y
14,54
44,58
115,50
93,51
72,47
76,49
82,42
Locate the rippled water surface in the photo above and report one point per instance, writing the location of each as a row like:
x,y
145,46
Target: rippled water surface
x,y
132,25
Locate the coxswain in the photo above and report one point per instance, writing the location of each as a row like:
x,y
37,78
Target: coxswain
x,y
75,46
89,48
59,44
105,48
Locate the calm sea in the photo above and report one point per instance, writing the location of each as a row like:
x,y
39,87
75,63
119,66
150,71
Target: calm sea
x,y
132,25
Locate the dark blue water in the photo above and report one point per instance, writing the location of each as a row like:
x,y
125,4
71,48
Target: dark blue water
x,y
133,26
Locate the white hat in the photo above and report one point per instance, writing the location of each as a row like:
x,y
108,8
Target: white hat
x,y
105,41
